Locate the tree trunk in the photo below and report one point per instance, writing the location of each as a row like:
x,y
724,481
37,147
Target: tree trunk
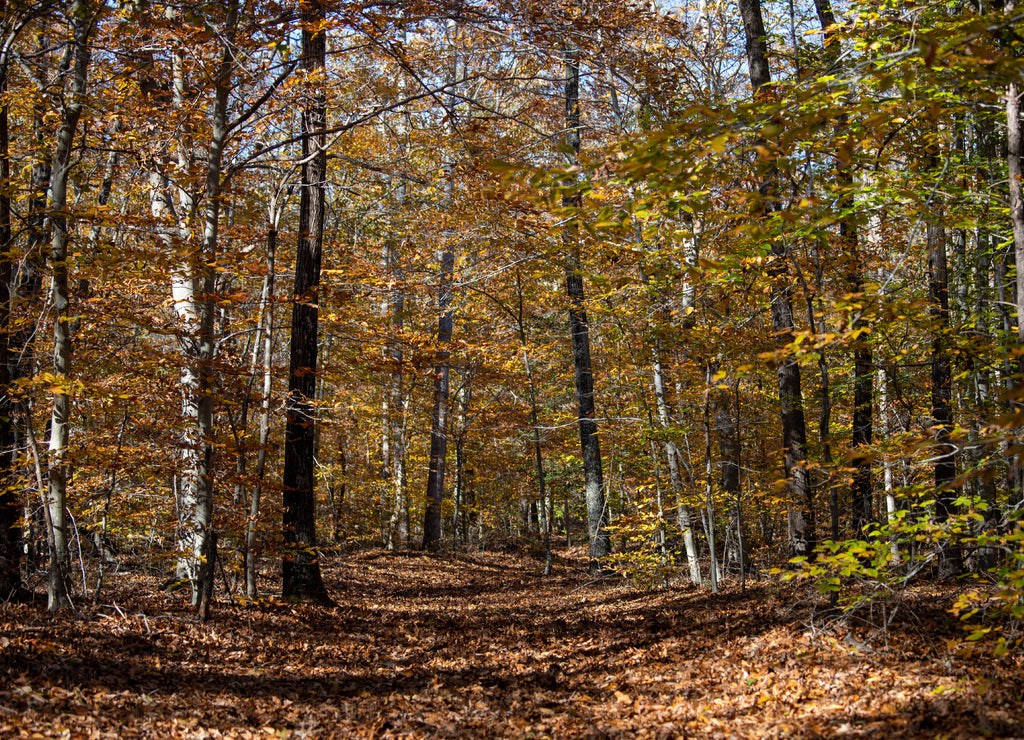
x,y
863,401
683,516
794,433
950,564
538,455
709,490
439,418
398,531
203,343
579,329
81,19
727,430
395,419
1013,155
863,373
300,566
10,504
266,396
459,518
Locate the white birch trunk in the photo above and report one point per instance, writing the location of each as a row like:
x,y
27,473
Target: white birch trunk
x,y
685,520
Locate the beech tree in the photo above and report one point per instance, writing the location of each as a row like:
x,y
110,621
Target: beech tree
x,y
81,19
794,433
301,566
579,331
439,417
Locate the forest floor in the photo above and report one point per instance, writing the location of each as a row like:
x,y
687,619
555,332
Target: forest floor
x,y
479,645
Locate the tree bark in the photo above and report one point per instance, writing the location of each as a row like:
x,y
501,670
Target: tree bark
x,y
10,505
395,418
1013,165
709,490
266,396
950,564
463,398
683,516
27,291
794,432
727,429
203,343
579,329
1013,155
300,566
439,417
81,18
398,529
863,374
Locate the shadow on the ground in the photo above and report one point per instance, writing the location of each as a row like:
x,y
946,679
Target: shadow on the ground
x,y
483,642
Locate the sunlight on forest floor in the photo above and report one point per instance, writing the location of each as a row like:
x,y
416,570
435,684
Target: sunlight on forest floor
x,y
479,645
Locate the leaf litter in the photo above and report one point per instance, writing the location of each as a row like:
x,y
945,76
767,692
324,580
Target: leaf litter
x,y
478,645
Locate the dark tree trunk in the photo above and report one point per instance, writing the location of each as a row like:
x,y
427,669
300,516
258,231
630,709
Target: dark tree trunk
x,y
863,397
950,564
439,417
863,390
728,444
301,567
10,504
579,329
794,432
756,45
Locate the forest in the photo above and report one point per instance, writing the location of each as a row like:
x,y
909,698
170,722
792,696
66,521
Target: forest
x,y
381,321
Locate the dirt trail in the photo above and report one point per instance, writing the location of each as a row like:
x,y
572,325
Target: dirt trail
x,y
480,646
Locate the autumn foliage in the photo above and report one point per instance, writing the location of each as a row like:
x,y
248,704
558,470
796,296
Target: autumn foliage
x,y
284,284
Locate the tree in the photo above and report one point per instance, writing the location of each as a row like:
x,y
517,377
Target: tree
x,y
941,388
579,330
82,19
10,505
439,416
848,242
794,434
301,566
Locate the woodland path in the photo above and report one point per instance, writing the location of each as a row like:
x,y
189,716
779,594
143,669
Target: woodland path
x,y
478,645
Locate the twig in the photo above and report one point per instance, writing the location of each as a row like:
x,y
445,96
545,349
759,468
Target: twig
x,y
590,583
81,559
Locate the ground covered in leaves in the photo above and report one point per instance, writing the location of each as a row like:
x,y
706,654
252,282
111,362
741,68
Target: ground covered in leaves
x,y
478,645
